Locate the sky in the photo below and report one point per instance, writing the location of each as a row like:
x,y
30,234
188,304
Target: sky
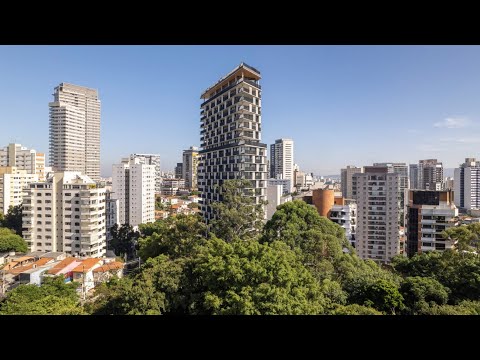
x,y
342,105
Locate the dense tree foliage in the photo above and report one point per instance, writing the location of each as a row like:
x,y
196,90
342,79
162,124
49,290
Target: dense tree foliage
x,y
13,219
459,272
422,293
216,277
466,238
236,216
10,241
54,297
124,240
173,236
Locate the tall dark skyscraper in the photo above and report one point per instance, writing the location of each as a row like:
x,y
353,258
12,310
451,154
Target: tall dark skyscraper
x,y
230,135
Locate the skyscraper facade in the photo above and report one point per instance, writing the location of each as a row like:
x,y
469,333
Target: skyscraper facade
x,y
413,175
281,160
65,213
151,159
23,158
348,184
75,130
467,185
230,135
378,235
133,184
190,167
430,174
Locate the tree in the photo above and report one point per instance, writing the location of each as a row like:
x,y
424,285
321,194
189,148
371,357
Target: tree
x,y
216,277
420,293
193,205
354,309
124,240
9,241
174,236
13,219
53,297
236,216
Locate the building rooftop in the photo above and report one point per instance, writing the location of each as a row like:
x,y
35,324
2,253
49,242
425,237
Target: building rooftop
x,y
62,265
86,265
242,69
115,265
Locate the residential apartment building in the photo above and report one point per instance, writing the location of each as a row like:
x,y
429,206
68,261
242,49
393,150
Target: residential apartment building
x,y
151,159
282,160
112,214
428,213
413,176
75,130
285,183
133,184
348,185
23,158
344,213
12,186
66,214
172,186
230,136
467,185
430,174
190,167
179,170
275,197
377,214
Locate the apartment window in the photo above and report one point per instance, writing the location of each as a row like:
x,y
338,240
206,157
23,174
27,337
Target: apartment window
x,y
39,208
39,201
39,244
39,237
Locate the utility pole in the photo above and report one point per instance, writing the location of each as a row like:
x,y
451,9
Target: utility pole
x,y
83,283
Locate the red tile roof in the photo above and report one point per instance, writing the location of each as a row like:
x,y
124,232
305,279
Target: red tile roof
x,y
115,265
61,265
86,265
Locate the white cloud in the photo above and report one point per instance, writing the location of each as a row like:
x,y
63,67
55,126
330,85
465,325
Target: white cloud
x,y
453,123
461,140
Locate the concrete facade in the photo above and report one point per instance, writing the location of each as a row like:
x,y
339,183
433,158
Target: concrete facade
x,y
75,130
67,214
16,155
282,160
190,168
348,186
13,183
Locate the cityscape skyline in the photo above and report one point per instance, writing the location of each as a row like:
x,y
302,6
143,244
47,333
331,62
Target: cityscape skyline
x,y
424,96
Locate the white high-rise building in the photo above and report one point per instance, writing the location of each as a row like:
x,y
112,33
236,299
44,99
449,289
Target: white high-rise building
x,y
67,214
345,215
75,130
133,184
23,158
467,185
275,197
230,136
151,159
348,184
190,167
12,186
377,214
282,160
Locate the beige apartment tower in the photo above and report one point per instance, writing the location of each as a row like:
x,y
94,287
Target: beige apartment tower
x,y
189,169
378,235
23,158
67,214
75,130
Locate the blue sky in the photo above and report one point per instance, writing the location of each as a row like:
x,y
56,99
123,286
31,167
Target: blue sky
x,y
341,104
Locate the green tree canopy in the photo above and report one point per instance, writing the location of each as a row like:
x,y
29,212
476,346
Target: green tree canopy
x,y
124,240
419,293
13,219
10,241
53,297
175,236
236,216
241,277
